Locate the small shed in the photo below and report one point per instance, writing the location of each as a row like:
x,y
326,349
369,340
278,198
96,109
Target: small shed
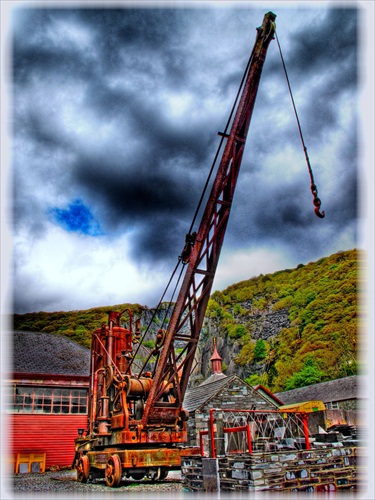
x,y
220,391
47,396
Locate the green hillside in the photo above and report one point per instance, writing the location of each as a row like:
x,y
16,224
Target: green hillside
x,y
287,329
77,325
294,327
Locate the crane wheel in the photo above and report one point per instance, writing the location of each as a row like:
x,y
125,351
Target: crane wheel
x,y
113,471
83,468
138,476
158,474
163,475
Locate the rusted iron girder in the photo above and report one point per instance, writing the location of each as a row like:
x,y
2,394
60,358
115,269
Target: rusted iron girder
x,y
195,291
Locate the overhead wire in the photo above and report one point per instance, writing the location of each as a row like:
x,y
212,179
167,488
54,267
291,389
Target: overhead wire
x,y
223,136
314,189
155,311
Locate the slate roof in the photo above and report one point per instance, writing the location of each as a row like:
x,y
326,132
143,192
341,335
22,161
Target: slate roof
x,y
335,390
39,352
197,396
213,378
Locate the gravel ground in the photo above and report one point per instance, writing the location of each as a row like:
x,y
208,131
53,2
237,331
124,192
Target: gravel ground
x,y
63,484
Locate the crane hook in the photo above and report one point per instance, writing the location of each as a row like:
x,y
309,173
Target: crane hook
x,y
314,189
317,202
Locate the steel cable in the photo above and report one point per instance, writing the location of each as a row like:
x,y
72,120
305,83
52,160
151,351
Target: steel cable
x,y
313,187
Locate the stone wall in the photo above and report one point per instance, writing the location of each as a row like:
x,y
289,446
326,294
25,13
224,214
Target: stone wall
x,y
317,470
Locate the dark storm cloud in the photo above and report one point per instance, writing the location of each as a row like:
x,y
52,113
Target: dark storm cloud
x,y
328,53
129,196
320,47
43,50
325,50
120,109
158,181
40,131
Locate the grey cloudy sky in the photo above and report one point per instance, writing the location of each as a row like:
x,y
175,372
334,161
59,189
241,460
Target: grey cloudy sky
x,y
115,114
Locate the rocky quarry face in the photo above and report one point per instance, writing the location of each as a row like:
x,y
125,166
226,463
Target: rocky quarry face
x,y
264,325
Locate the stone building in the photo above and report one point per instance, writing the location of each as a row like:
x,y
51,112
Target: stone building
x,y
342,399
220,391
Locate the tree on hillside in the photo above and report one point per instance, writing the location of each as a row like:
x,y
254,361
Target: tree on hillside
x,y
308,375
260,351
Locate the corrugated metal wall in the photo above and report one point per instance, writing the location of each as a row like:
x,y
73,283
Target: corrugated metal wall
x,y
53,434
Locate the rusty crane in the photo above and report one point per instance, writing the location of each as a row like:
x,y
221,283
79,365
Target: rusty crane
x,y
136,422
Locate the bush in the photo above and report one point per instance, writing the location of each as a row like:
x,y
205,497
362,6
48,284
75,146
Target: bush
x,y
308,375
236,331
260,351
246,354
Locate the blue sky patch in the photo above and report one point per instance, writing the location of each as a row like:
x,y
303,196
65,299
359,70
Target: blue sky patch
x,y
76,218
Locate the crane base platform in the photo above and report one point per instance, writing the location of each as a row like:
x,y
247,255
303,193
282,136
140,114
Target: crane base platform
x,y
116,464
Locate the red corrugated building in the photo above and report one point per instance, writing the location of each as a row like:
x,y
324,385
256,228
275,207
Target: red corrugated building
x,y
47,403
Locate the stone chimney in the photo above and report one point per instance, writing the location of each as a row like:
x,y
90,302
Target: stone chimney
x,y
216,360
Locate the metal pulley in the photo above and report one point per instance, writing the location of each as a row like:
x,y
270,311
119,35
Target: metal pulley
x,y
189,243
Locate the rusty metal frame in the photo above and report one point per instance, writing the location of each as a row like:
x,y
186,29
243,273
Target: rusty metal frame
x,y
195,290
211,426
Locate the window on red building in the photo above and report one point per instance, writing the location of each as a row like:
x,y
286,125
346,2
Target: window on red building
x,y
55,400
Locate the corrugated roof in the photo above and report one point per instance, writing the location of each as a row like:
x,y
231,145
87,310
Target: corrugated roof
x,y
40,352
307,406
335,390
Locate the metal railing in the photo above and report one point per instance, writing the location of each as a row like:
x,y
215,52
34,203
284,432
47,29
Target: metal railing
x,y
271,428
